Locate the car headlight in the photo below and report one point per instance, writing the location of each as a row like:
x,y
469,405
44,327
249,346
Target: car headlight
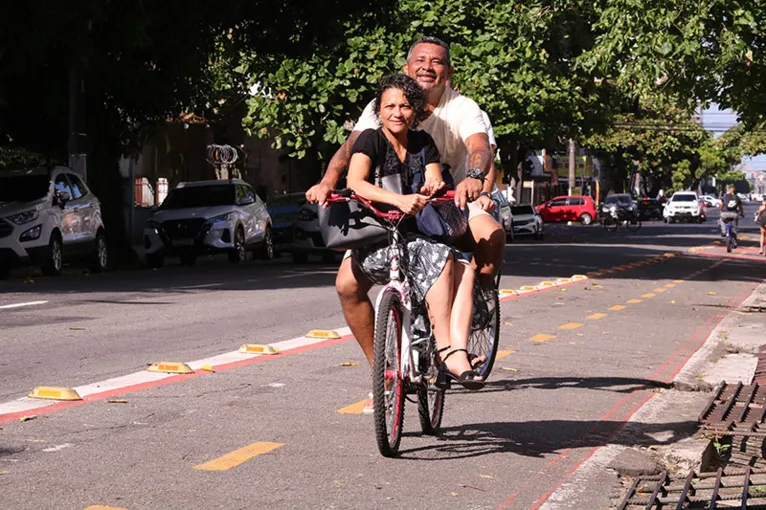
x,y
31,234
306,215
220,218
24,217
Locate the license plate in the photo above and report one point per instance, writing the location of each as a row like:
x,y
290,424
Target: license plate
x,y
183,242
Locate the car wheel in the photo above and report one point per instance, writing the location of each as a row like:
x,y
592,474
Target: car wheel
x,y
586,219
188,259
266,250
300,257
155,260
238,254
54,256
100,256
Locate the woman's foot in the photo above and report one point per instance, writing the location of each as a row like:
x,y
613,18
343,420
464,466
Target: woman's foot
x,y
455,365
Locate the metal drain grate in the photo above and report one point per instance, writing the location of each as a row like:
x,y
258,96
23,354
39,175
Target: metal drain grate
x,y
736,410
730,488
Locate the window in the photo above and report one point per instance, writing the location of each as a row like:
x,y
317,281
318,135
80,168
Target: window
x,y
576,201
558,202
250,193
78,188
62,185
241,193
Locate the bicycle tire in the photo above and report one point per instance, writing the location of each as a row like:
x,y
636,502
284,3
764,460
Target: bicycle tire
x,y
634,227
729,243
610,224
430,408
485,328
389,404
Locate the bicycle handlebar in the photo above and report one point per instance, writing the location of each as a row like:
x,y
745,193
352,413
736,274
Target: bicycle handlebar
x,y
347,194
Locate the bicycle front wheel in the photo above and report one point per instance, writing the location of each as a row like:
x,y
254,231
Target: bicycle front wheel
x,y
485,327
387,379
610,224
634,227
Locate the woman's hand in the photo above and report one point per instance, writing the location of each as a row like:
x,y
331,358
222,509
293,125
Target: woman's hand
x,y
411,204
432,186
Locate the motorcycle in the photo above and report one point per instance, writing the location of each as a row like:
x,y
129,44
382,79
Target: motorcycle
x,y
614,215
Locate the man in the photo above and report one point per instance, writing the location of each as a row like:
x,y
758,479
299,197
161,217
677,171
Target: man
x,y
731,205
457,127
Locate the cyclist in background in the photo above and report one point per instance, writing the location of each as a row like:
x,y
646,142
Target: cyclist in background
x,y
760,218
731,209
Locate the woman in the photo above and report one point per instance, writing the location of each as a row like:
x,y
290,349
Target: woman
x,y
760,217
436,277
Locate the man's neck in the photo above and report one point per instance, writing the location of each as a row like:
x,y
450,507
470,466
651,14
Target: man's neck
x,y
433,96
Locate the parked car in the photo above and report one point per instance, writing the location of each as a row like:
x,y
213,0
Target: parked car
x,y
684,206
526,221
48,216
575,208
209,217
283,210
710,201
307,238
503,213
650,209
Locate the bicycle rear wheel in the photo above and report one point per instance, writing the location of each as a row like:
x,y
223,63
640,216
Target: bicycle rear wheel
x,y
387,379
430,408
610,224
485,327
729,243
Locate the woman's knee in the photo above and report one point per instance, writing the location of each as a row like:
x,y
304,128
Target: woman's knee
x,y
346,283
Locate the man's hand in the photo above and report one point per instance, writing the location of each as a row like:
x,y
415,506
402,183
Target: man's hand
x,y
411,204
431,187
318,194
486,204
467,191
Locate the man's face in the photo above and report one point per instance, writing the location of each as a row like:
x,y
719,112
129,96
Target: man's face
x,y
428,66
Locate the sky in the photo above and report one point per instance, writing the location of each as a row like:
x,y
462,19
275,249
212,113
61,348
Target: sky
x,y
718,121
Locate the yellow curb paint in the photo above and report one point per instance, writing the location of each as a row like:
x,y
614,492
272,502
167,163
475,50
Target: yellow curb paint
x,y
503,353
634,301
678,281
542,337
322,333
506,291
617,308
564,280
546,284
670,285
579,277
660,289
528,287
54,393
647,295
596,316
357,408
571,325
237,457
258,349
170,367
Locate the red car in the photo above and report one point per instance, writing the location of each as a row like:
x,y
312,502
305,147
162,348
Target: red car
x,y
577,208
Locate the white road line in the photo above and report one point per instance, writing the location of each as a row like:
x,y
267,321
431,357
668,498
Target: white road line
x,y
19,305
203,286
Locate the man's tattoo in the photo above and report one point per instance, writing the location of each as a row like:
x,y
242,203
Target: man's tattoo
x,y
338,165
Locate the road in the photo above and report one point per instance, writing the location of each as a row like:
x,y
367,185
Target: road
x,y
577,361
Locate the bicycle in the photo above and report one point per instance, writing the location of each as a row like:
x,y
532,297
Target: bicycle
x,y
730,233
404,365
613,217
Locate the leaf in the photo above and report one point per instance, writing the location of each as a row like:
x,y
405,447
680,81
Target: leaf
x,y
117,401
350,364
511,369
27,418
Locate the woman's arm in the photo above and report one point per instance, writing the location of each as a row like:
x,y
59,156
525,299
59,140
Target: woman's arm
x,y
433,179
358,171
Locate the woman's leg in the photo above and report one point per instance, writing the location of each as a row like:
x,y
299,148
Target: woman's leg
x,y
439,304
763,238
462,315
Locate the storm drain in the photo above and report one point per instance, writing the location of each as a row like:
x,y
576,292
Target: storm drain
x,y
735,410
725,488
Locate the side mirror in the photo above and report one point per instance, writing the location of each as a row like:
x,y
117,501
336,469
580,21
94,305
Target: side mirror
x,y
247,201
61,198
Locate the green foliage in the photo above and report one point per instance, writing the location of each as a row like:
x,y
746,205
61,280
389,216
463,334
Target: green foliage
x,y
14,157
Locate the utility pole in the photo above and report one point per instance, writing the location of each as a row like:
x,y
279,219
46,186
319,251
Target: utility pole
x,y
571,166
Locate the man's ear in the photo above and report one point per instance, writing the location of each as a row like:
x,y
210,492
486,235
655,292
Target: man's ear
x,y
450,72
406,69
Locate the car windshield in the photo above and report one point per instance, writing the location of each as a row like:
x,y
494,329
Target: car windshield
x,y
23,188
618,199
683,198
200,196
518,210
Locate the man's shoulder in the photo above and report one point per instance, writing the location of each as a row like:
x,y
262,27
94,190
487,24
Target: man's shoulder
x,y
459,101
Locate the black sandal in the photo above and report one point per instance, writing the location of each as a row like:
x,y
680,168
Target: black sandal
x,y
467,379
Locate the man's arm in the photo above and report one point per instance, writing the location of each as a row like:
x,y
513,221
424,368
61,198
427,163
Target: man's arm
x,y
479,156
336,169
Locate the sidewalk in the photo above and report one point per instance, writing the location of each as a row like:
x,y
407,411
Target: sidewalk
x,y
667,434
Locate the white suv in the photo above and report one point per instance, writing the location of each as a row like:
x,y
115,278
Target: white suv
x,y
47,216
684,205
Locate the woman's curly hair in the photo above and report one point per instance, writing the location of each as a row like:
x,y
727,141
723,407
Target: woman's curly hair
x,y
412,92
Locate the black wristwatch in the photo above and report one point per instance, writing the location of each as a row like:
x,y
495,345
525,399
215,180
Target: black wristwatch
x,y
475,173
485,194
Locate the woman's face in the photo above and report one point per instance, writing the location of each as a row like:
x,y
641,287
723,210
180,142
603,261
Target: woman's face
x,y
395,113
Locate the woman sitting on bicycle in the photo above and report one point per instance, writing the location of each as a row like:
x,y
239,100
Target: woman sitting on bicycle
x,y
760,218
435,275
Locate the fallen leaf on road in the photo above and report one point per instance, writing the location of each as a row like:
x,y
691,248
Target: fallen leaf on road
x,y
507,324
597,286
350,364
711,293
474,488
673,302
453,494
5,472
562,290
116,401
77,329
559,298
27,418
580,334
511,369
487,476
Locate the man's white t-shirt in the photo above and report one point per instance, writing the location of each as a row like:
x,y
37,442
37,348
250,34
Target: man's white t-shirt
x,y
453,120
490,133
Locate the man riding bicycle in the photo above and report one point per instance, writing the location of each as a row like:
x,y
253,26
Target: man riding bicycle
x,y
731,210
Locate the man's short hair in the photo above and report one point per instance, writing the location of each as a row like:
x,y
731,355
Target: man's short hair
x,y
431,40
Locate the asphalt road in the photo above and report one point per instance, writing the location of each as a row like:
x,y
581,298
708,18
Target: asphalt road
x,y
572,358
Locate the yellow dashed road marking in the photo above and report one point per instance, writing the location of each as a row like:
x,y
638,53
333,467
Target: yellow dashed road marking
x,y
647,295
617,308
542,337
501,354
357,408
678,281
670,285
660,289
237,457
571,325
634,301
596,316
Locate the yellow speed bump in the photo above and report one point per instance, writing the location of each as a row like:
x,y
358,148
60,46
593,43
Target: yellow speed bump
x,y
258,349
593,273
55,393
506,291
171,367
579,277
528,287
546,284
564,280
323,333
